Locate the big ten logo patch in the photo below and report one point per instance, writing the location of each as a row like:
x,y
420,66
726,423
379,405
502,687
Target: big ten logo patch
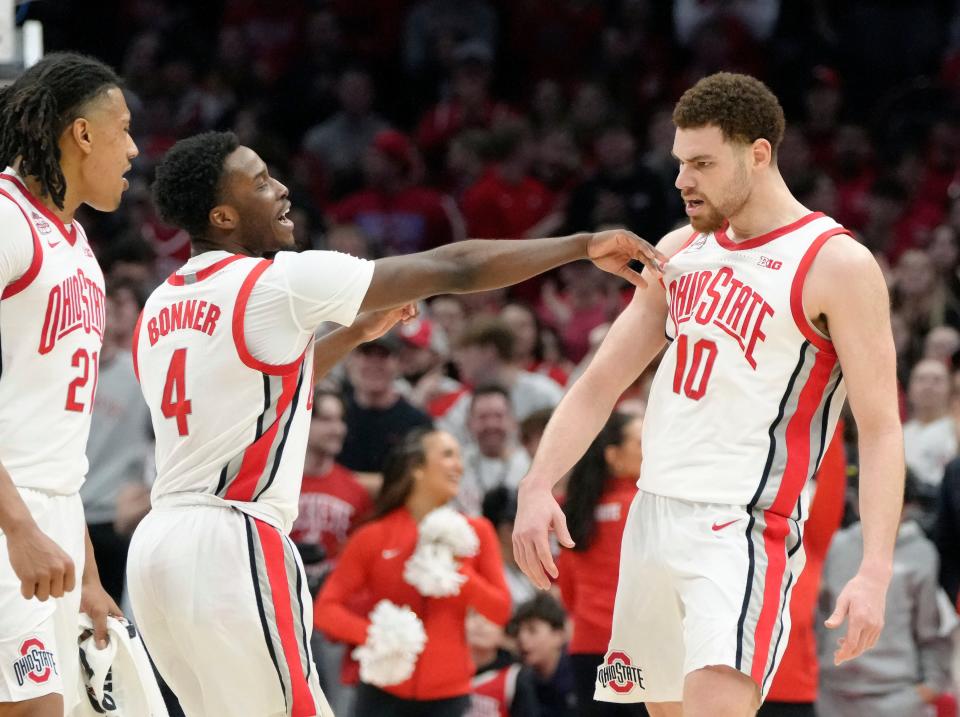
x,y
37,663
619,674
768,263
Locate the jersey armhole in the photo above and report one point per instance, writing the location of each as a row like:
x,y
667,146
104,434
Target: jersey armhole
x,y
136,342
239,339
810,332
15,287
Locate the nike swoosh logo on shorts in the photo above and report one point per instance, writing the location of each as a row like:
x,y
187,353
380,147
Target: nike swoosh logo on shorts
x,y
387,554
721,526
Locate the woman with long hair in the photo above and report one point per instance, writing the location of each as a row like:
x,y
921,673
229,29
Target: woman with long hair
x,y
601,487
416,556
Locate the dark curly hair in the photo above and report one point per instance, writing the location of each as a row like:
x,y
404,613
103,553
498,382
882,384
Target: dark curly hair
x,y
187,182
742,107
39,105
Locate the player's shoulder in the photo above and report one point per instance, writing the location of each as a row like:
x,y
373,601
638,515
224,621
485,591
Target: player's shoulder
x,y
11,215
674,240
842,258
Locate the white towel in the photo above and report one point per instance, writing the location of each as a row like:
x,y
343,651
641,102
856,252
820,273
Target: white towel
x,y
117,680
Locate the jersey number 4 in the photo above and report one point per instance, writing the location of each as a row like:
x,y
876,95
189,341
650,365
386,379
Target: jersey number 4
x,y
702,357
175,403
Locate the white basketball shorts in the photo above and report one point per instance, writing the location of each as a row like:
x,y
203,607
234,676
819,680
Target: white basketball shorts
x,y
38,640
700,585
222,605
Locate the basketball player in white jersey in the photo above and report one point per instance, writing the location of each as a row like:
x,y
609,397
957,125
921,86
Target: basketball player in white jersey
x,y
225,354
773,315
64,127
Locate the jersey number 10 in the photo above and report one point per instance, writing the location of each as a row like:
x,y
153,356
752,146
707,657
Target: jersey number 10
x,y
177,406
704,352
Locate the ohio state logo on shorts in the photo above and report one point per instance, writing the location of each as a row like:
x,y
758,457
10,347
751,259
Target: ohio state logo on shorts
x,y
37,663
618,673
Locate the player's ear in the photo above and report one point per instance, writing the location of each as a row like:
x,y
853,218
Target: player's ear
x,y
223,216
79,132
761,153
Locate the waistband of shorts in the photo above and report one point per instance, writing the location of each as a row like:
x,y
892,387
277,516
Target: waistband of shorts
x,y
260,511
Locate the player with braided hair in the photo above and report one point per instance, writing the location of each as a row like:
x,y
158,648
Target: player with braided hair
x,y
64,136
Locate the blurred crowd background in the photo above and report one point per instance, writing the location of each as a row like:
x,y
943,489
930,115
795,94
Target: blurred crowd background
x,y
401,125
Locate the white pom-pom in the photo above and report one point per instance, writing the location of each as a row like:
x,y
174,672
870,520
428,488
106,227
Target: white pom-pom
x,y
448,527
395,639
433,571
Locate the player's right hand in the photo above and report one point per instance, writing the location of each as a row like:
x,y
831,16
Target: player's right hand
x,y
43,567
537,513
614,249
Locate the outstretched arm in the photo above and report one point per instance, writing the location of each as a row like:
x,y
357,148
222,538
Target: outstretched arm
x,y
846,286
479,265
632,342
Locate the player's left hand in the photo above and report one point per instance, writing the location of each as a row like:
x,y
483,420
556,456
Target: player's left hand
x,y
97,603
613,250
374,324
862,603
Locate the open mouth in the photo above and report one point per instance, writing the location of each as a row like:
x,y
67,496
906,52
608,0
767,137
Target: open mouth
x,y
693,205
284,218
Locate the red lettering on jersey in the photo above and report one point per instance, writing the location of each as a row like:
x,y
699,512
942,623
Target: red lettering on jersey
x,y
724,301
181,315
77,302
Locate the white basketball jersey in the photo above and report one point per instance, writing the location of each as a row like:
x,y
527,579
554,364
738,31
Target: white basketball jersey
x,y
748,392
51,331
229,428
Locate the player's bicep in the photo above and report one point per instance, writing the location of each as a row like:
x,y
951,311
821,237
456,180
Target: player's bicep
x,y
854,298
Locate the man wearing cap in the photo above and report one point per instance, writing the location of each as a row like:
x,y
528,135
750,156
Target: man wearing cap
x,y
377,416
424,349
397,215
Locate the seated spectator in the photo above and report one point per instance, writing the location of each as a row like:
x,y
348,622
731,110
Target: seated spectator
x,y
470,105
539,626
339,143
585,302
941,344
930,436
421,475
500,508
909,666
398,215
449,312
484,355
502,686
424,351
793,690
600,489
493,456
622,192
332,501
377,416
528,342
507,201
532,428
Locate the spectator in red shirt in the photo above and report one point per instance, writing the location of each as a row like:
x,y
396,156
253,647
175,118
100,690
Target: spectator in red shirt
x,y
602,485
332,501
507,201
421,475
399,216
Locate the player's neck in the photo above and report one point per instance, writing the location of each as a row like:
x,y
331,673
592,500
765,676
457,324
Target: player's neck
x,y
222,243
70,200
318,463
770,206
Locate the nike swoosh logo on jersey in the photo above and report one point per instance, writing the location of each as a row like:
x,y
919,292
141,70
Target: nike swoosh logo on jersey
x,y
387,554
52,244
721,526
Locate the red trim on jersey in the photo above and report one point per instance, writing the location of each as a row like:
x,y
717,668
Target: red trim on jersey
x,y
775,547
275,562
70,236
796,292
238,337
136,341
727,243
178,279
15,287
255,456
687,243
